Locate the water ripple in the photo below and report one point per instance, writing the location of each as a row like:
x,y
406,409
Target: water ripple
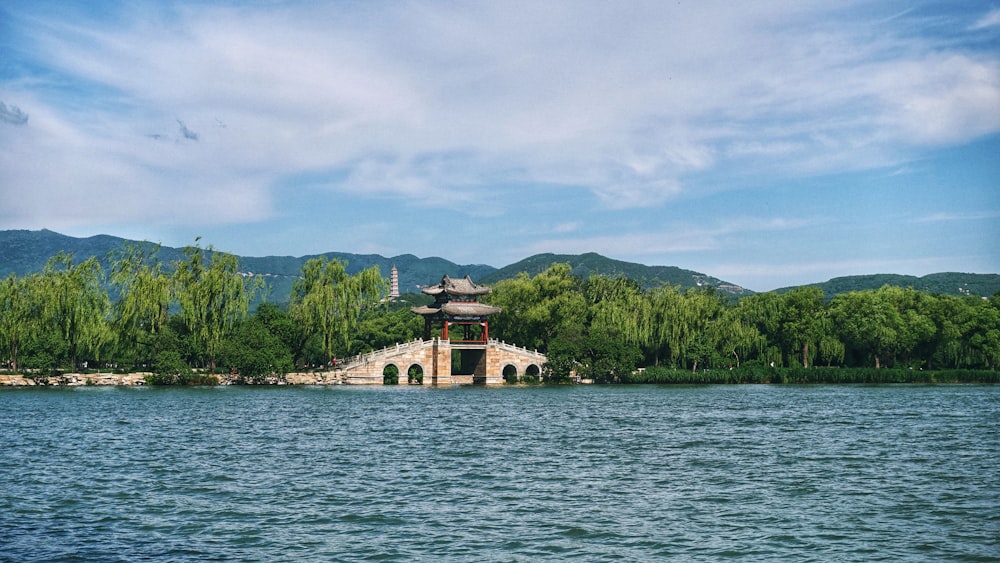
x,y
756,473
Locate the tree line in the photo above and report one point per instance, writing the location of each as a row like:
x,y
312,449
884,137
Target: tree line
x,y
182,325
603,328
185,325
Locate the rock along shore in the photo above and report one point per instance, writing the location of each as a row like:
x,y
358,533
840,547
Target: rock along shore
x,y
139,379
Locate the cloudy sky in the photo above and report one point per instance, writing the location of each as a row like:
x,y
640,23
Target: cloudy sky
x,y
767,143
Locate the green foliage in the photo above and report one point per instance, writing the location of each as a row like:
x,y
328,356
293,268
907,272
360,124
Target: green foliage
x,y
329,302
943,283
45,352
144,295
74,304
390,375
255,353
213,296
700,329
378,329
169,368
601,328
535,310
767,375
20,313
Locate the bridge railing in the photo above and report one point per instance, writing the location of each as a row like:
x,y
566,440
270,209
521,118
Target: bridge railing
x,y
517,349
376,355
418,344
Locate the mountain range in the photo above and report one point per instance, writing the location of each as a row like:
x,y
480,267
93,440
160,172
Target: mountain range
x,y
23,252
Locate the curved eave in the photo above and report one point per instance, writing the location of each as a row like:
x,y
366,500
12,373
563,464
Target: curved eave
x,y
469,309
452,309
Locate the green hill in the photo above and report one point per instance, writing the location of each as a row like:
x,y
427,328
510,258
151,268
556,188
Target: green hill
x,y
584,265
24,252
944,283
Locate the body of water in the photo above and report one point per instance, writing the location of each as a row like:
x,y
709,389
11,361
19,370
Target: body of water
x,y
593,473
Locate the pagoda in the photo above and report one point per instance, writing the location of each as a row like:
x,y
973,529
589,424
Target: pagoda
x,y
456,304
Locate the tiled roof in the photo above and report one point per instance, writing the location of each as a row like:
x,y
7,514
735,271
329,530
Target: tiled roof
x,y
458,309
463,286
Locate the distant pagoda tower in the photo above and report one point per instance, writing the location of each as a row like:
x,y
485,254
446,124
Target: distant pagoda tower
x,y
394,288
456,304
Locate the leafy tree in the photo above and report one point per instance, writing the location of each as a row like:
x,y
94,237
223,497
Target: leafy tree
x,y
144,296
280,323
983,334
664,324
868,322
378,329
45,351
20,311
701,313
608,359
169,368
802,326
213,296
75,303
736,337
535,310
329,302
255,353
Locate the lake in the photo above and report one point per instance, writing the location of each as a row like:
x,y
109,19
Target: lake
x,y
590,473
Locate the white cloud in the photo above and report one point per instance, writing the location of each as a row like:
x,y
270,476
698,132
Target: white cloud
x,y
770,276
989,19
942,100
436,103
671,240
945,217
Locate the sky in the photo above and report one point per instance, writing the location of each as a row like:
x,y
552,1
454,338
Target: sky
x,y
768,143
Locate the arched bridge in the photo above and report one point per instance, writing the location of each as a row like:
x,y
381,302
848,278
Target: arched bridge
x,y
443,362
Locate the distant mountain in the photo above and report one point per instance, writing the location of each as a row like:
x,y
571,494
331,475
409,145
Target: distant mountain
x,y
24,252
945,283
585,265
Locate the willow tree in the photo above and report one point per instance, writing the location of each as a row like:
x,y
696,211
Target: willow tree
x,y
702,310
328,302
19,314
144,294
867,322
802,326
736,336
75,304
612,302
537,310
213,296
664,324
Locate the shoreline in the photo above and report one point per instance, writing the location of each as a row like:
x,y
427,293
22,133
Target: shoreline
x,y
138,379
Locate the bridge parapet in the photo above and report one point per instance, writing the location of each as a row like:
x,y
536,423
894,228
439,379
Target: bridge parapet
x,y
515,349
385,353
434,358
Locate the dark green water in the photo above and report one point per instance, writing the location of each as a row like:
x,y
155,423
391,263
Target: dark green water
x,y
749,473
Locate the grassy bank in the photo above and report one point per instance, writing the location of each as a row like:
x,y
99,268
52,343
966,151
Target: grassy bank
x,y
762,374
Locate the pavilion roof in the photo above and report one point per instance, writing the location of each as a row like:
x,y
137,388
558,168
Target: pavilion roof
x,y
462,286
458,309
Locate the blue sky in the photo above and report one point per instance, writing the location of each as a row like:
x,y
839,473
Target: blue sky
x,y
768,143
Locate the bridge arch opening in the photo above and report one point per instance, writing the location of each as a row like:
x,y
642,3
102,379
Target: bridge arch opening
x,y
390,374
415,374
532,373
510,373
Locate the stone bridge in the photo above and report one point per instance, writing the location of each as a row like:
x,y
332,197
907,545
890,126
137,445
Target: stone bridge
x,y
443,362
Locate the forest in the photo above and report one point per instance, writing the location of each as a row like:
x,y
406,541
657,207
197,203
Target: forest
x,y
192,320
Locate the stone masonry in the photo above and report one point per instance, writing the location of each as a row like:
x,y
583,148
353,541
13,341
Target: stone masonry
x,y
481,364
